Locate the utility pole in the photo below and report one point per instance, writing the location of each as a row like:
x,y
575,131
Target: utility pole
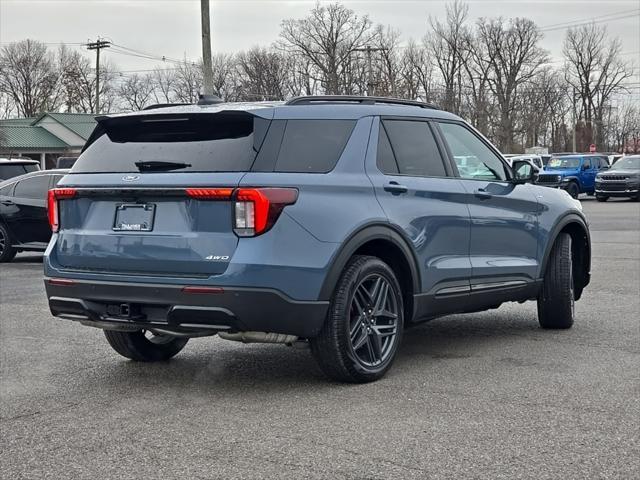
x,y
97,46
575,125
369,50
206,47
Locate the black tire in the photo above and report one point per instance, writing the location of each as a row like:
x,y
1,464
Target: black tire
x,y
573,189
7,252
137,346
602,198
556,302
363,329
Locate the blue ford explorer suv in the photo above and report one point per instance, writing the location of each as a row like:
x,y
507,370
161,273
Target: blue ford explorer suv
x,y
574,173
333,221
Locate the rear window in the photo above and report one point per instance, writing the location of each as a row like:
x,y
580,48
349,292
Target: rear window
x,y
220,142
9,171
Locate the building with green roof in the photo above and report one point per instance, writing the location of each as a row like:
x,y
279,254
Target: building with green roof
x,y
47,137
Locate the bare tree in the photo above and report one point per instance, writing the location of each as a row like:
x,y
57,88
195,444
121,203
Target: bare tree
x,y
418,72
264,74
447,45
328,38
188,82
164,83
596,71
136,91
515,58
224,76
30,77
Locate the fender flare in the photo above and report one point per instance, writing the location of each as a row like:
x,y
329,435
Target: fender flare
x,y
358,238
553,235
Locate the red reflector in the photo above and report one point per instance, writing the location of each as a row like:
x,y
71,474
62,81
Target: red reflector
x,y
209,193
63,282
54,195
210,290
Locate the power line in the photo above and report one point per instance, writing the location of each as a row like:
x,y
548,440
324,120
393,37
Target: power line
x,y
592,18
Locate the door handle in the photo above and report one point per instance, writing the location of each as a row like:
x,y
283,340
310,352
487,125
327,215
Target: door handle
x,y
482,194
395,188
7,202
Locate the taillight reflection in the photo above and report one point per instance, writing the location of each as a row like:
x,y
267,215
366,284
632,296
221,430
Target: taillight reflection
x,y
56,194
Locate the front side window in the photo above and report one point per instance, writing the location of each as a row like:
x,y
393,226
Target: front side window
x,y
408,147
474,159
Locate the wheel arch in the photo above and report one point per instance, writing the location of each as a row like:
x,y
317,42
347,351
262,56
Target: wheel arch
x,y
387,243
577,228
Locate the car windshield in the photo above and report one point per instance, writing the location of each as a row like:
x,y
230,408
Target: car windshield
x,y
628,163
563,162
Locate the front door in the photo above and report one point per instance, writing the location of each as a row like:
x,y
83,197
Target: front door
x,y
504,216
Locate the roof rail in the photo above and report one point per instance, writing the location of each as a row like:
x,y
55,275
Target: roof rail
x,y
163,105
334,99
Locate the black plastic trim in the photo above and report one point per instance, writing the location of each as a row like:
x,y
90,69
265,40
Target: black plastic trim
x,y
167,306
355,241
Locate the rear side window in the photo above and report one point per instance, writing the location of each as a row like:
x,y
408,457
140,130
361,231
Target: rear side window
x,y
413,147
312,146
34,187
204,142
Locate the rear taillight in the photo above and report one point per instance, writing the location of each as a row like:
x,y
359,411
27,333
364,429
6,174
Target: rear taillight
x,y
257,209
56,194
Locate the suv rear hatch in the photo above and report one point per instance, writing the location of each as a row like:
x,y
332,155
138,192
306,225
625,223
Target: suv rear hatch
x,y
151,194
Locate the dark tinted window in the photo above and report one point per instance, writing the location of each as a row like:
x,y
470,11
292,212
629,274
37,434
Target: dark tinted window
x,y
474,159
9,171
34,187
386,159
414,148
219,142
313,146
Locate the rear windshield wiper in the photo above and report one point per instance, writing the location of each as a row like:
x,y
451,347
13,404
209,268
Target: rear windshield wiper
x,y
160,165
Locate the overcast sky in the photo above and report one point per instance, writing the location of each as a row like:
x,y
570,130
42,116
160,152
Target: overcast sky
x,y
172,27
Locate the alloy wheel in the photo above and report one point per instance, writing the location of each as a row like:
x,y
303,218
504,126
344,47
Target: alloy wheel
x,y
373,321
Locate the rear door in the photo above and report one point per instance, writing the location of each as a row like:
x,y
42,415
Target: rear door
x,y
153,194
28,221
504,216
420,196
590,168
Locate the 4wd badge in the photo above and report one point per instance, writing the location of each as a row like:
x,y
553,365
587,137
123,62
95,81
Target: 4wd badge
x,y
217,258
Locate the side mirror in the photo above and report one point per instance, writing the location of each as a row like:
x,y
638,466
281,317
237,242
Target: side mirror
x,y
523,172
585,166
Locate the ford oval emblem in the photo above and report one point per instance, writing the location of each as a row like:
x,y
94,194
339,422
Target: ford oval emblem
x,y
131,178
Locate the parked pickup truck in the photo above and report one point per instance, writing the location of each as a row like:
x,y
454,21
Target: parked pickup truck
x,y
574,173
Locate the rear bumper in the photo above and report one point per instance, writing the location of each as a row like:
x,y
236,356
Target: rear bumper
x,y
128,305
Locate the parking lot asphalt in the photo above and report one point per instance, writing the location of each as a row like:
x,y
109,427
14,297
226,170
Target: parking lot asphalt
x,y
487,395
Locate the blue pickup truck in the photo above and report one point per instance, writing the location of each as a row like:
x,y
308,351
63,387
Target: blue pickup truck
x,y
574,173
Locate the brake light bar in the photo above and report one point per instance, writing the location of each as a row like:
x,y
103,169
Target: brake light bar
x,y
56,194
209,193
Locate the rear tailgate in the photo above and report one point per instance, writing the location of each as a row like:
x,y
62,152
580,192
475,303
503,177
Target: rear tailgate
x,y
132,219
